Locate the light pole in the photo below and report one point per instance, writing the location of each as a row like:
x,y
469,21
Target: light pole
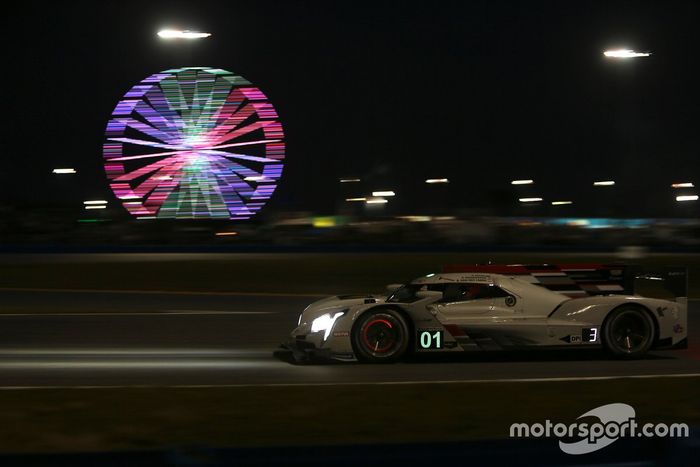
x,y
178,36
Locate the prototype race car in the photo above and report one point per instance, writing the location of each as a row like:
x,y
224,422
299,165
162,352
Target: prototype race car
x,y
495,307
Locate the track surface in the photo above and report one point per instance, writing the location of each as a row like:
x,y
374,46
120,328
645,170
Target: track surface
x,y
180,339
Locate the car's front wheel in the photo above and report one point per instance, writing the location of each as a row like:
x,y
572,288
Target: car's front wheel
x,y
628,332
380,336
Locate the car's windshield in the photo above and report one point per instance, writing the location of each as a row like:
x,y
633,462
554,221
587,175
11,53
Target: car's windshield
x,y
407,293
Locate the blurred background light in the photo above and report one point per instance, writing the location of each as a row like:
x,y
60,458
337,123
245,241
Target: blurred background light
x,y
529,200
356,199
416,218
625,53
64,171
687,198
437,180
377,201
522,182
561,203
186,34
604,183
383,193
350,180
324,222
683,185
94,201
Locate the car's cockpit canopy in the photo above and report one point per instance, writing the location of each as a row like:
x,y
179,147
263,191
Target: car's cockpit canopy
x,y
451,292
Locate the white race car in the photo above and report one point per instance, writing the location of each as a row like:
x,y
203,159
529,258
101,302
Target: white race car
x,y
494,307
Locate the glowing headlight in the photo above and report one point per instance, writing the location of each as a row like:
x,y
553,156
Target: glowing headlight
x,y
325,323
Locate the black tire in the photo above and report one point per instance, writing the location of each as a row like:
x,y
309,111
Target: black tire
x,y
628,332
380,336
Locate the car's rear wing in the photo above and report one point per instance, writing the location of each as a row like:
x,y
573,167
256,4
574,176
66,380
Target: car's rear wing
x,y
662,282
582,279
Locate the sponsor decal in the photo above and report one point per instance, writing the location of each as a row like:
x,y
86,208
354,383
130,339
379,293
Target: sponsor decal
x,y
587,335
572,339
448,279
598,428
341,333
482,278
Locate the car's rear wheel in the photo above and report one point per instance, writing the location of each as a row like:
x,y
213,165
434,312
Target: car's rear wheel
x,y
380,336
628,332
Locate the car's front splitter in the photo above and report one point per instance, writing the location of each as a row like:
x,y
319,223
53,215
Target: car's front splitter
x,y
299,352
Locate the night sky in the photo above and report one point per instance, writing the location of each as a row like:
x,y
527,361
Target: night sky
x,y
393,92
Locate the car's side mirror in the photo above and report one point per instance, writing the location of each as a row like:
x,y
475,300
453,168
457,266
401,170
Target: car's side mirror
x,y
391,288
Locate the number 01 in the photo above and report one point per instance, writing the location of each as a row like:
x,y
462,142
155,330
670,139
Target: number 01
x,y
431,340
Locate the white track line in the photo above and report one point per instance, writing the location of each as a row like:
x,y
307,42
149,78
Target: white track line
x,y
214,312
146,313
370,383
179,292
159,292
131,352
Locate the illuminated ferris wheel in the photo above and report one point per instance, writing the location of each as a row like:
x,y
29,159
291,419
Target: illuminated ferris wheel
x,y
194,142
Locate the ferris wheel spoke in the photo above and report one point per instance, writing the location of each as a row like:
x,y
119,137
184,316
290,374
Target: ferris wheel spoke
x,y
160,104
246,143
236,118
195,150
165,137
214,103
161,197
145,170
158,120
159,192
235,175
153,144
239,156
203,91
243,131
232,105
166,176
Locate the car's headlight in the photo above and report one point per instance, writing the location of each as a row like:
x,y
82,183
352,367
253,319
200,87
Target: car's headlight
x,y
324,323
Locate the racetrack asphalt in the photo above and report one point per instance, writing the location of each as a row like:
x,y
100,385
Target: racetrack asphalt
x,y
180,339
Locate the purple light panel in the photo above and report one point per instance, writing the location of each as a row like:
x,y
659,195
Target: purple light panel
x,y
194,142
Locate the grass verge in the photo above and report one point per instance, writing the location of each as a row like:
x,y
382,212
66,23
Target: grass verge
x,y
69,420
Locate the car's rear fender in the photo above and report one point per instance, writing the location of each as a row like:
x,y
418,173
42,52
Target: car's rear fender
x,y
670,317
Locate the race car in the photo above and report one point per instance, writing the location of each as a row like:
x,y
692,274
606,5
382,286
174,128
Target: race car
x,y
500,307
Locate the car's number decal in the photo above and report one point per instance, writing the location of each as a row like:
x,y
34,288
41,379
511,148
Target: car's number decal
x,y
589,334
430,339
